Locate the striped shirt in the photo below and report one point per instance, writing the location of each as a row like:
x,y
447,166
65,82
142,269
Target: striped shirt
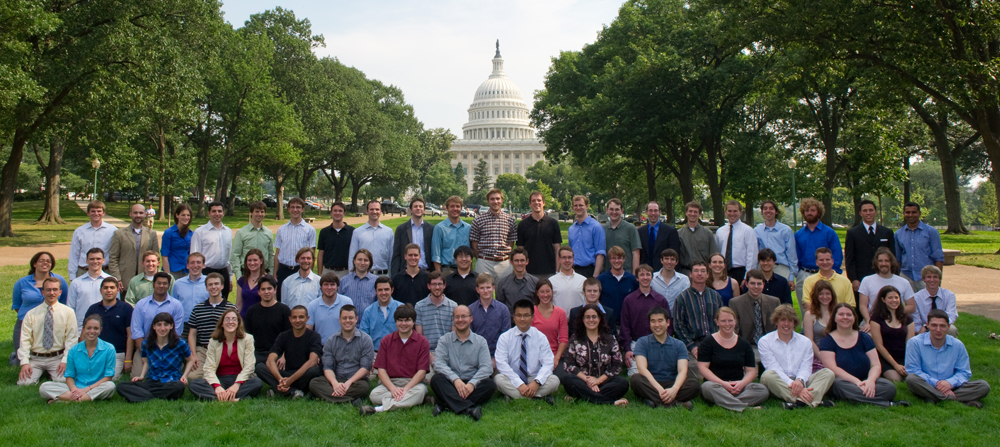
x,y
695,316
377,240
361,290
291,238
494,233
203,318
435,320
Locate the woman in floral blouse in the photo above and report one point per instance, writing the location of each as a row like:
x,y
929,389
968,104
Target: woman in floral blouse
x,y
592,362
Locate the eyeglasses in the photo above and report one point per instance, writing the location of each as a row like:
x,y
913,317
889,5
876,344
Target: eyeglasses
x,y
230,320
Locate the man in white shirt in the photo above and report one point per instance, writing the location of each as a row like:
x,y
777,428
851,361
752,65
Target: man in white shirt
x,y
884,263
85,290
291,237
95,234
190,290
215,241
376,237
737,242
787,357
931,297
669,282
304,287
524,359
567,284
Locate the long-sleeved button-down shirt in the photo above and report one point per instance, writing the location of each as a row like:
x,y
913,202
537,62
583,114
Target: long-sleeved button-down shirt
x,y
697,244
490,321
84,238
511,290
215,243
949,363
446,238
378,324
678,283
291,238
296,290
176,248
781,241
945,301
587,240
916,249
345,357
539,362
147,308
377,240
695,316
468,360
84,291
807,241
792,360
361,289
64,331
635,318
190,292
744,244
250,237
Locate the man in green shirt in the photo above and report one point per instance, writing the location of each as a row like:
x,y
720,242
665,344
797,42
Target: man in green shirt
x,y
253,235
619,233
141,285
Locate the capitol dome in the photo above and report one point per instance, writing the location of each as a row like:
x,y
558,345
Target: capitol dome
x,y
498,110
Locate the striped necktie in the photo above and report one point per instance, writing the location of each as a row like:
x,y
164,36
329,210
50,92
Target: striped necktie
x,y
522,370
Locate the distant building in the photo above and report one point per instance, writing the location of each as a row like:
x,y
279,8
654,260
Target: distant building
x,y
498,130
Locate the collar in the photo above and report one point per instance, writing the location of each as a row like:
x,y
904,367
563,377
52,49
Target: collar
x,y
948,340
374,227
415,224
136,231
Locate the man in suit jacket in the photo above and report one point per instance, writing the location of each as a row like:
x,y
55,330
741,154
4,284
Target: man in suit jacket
x,y
128,244
862,242
750,324
405,235
662,237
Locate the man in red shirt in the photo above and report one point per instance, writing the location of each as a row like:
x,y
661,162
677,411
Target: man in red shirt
x,y
403,360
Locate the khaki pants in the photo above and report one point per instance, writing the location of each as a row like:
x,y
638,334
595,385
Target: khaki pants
x,y
783,270
820,382
754,394
415,396
52,390
340,273
505,386
41,365
496,269
119,366
199,372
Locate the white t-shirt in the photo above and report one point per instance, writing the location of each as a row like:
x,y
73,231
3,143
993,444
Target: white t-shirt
x,y
871,285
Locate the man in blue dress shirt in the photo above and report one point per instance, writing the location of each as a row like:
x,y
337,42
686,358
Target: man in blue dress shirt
x,y
917,245
937,365
586,237
814,234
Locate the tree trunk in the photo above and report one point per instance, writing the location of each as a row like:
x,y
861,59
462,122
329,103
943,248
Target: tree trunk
x,y
161,147
202,177
279,190
906,181
650,179
857,210
668,208
355,189
748,217
305,180
8,178
50,212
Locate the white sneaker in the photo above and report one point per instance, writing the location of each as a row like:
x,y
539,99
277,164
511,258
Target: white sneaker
x,y
297,394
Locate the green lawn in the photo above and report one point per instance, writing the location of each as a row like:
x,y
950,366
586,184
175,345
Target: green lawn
x,y
265,421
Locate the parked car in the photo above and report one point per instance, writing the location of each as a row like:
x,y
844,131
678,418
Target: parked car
x,y
270,202
432,210
389,207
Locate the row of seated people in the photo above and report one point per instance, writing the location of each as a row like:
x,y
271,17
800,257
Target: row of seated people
x,y
937,364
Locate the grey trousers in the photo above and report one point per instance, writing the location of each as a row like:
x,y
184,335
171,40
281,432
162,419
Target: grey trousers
x,y
204,390
969,391
885,392
321,388
16,338
754,394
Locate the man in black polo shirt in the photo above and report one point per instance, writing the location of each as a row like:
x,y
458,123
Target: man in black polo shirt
x,y
267,319
301,349
335,243
541,237
117,327
461,285
410,284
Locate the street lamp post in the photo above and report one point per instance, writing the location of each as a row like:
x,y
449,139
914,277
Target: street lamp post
x,y
96,164
791,165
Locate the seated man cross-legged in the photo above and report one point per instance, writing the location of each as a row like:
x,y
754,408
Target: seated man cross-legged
x,y
403,360
787,357
462,368
937,365
300,348
662,362
524,359
347,360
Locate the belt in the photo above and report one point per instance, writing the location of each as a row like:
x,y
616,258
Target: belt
x,y
293,267
490,258
336,269
810,270
449,266
47,355
379,272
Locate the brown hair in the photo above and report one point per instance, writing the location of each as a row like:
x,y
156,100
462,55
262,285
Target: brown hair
x,y
814,305
810,202
785,312
96,204
220,333
34,259
251,252
832,324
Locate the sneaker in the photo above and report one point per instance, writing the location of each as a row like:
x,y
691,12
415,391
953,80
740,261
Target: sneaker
x,y
899,403
365,410
788,405
428,400
650,403
687,405
476,413
437,410
270,393
549,400
356,403
298,394
974,404
827,404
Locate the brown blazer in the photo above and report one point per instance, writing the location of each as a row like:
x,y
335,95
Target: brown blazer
x,y
743,306
122,263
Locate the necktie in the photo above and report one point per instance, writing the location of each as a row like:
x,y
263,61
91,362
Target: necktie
x,y
522,370
934,302
48,334
729,249
871,231
651,243
758,322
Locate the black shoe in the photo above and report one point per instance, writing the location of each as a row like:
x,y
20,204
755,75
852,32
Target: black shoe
x,y
687,405
800,404
476,413
827,404
974,404
899,403
356,403
428,400
549,400
788,405
366,410
650,403
437,410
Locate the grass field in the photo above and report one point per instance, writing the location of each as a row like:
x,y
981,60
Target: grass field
x,y
273,421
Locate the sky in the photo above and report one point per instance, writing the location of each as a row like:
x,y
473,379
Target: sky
x,y
438,52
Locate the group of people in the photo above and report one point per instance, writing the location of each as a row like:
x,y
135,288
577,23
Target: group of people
x,y
671,314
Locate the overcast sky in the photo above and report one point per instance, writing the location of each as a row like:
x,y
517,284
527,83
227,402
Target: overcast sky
x,y
438,52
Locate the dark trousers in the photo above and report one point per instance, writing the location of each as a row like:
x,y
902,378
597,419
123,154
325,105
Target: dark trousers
x,y
321,388
201,388
738,273
302,384
261,357
611,390
587,271
645,390
448,396
284,271
227,283
144,390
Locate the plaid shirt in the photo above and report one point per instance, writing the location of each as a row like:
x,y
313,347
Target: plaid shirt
x,y
494,233
166,364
